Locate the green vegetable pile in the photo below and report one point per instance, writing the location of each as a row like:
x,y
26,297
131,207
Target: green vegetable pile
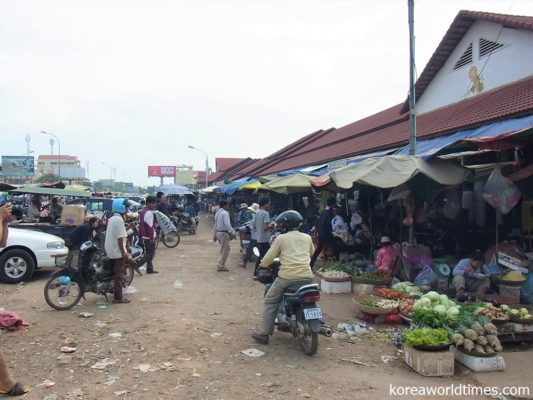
x,y
347,268
432,318
425,336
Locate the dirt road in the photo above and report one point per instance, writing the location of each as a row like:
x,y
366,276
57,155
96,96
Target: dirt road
x,y
186,343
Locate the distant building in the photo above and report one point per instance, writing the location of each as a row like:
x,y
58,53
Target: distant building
x,y
70,166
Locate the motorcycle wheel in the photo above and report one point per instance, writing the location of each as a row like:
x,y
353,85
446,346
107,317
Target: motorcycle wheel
x,y
308,340
128,277
171,239
62,297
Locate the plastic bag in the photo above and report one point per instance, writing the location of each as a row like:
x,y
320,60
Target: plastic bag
x,y
500,192
426,277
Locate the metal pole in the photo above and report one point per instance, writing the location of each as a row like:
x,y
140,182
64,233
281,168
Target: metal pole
x,y
59,151
412,94
206,168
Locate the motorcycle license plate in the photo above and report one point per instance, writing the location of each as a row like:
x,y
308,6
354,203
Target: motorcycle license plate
x,y
312,313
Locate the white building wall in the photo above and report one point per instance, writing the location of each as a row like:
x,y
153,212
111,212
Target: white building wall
x,y
508,64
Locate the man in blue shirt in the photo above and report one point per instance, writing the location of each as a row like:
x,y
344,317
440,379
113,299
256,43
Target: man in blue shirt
x,y
468,276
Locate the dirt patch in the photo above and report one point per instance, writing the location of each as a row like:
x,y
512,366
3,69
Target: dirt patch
x,y
187,343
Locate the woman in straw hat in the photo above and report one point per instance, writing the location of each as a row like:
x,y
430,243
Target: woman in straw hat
x,y
385,258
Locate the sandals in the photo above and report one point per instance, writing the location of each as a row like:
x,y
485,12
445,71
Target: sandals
x,y
18,389
121,301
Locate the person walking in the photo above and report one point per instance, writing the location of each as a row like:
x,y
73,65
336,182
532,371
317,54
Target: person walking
x,y
8,385
147,232
223,232
325,235
115,246
262,227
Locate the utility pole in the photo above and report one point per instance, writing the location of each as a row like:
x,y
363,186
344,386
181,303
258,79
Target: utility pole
x,y
412,94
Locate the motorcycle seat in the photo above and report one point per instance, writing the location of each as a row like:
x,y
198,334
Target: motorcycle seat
x,y
293,289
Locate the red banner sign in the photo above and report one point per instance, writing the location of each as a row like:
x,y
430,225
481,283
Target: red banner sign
x,y
158,170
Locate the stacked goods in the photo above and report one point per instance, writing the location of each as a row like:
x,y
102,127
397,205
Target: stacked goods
x,y
389,293
435,311
477,338
335,276
426,337
409,288
406,306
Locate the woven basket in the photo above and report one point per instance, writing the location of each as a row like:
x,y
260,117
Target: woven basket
x,y
334,279
372,310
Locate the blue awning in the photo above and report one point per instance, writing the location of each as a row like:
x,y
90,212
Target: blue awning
x,y
231,188
430,147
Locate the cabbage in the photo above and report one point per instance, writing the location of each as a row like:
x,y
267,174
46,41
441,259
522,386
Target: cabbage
x,y
423,302
452,311
440,309
443,299
450,304
433,296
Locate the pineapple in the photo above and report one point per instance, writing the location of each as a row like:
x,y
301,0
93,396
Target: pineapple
x,y
492,340
458,339
476,326
498,347
490,328
479,349
471,334
468,345
482,340
489,349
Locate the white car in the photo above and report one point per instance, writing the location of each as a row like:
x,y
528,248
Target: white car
x,y
27,250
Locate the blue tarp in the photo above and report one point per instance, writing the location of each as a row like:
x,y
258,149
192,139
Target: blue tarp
x,y
430,147
229,189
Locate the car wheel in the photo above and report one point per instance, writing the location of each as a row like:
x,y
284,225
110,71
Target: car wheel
x,y
15,266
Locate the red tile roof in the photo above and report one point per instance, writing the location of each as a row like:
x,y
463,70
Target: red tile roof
x,y
385,130
460,25
223,164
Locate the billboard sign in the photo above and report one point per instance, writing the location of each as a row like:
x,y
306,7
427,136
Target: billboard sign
x,y
161,171
18,166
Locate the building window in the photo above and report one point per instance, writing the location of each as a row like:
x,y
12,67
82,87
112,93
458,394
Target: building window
x,y
465,59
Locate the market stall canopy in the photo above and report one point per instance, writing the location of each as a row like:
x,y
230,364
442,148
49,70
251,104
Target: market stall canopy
x,y
174,189
289,184
5,187
231,188
209,189
51,191
391,171
252,185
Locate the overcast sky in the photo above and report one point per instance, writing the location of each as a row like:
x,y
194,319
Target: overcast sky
x,y
133,83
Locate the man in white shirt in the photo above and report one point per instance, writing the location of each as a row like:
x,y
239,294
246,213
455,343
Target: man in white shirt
x,y
223,232
115,246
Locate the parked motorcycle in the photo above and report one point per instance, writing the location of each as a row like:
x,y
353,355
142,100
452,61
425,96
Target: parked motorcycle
x,y
66,287
297,312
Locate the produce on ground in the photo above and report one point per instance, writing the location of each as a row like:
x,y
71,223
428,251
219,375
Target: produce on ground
x,y
335,266
379,303
425,336
494,313
389,293
406,306
409,288
336,275
439,303
516,313
371,277
430,317
482,339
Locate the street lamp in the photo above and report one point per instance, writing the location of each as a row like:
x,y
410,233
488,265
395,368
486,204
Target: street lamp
x,y
206,162
58,152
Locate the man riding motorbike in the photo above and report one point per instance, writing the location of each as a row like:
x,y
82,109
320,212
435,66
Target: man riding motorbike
x,y
294,250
